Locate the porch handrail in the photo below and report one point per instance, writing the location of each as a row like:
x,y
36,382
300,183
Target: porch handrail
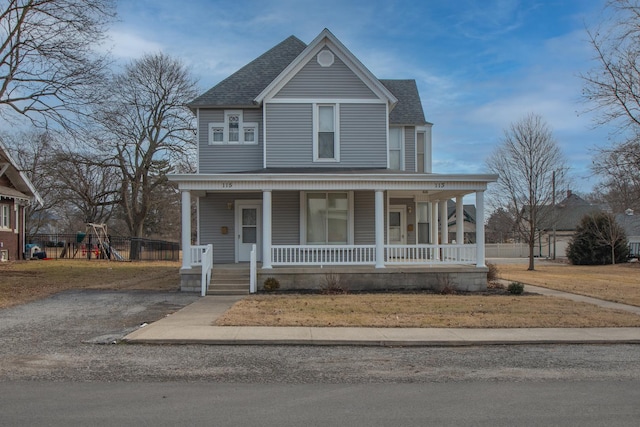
x,y
196,254
323,255
253,270
207,266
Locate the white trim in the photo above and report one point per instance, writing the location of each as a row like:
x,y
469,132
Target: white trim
x,y
326,100
224,126
16,210
325,58
402,147
403,223
198,141
336,132
264,136
251,203
350,215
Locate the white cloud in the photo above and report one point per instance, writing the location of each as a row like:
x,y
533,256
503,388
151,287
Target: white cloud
x,y
129,45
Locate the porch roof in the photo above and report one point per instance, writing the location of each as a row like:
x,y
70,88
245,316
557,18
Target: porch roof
x,y
432,186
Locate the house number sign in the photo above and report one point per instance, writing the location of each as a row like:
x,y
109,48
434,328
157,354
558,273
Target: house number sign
x,y
227,185
438,185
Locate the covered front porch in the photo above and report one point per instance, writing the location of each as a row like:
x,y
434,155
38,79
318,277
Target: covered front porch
x,y
378,221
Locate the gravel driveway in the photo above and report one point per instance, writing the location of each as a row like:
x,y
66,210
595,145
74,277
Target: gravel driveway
x,y
68,337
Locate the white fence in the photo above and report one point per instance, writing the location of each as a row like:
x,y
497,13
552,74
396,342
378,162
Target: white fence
x,y
506,250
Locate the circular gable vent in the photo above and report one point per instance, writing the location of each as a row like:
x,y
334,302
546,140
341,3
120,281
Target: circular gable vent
x,y
325,58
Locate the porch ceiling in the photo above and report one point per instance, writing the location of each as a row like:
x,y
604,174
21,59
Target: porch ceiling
x,y
430,185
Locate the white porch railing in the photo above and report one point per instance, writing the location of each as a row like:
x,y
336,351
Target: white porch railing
x,y
305,255
323,255
203,256
430,254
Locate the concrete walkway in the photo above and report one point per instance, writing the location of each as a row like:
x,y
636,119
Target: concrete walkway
x,y
194,325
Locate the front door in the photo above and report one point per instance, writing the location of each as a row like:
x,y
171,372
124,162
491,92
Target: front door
x,y
248,229
397,230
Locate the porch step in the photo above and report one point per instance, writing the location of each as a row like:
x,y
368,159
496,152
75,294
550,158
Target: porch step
x,y
229,282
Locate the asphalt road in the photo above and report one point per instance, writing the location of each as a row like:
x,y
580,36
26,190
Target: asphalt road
x,y
59,366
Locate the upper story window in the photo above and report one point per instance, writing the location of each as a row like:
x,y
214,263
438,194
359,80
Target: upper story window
x,y
326,138
233,131
396,151
5,219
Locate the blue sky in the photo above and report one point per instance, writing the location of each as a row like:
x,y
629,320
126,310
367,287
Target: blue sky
x,y
479,65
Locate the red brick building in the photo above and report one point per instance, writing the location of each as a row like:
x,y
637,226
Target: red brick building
x,y
16,193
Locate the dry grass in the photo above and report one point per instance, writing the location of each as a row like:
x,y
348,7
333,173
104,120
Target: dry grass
x,y
618,283
26,281
421,311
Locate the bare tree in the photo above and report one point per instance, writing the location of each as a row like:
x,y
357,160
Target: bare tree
x,y
47,61
147,128
525,162
88,187
34,152
611,89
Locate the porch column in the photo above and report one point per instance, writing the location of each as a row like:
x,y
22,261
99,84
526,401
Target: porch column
x,y
266,229
434,229
186,229
379,208
459,221
444,226
480,229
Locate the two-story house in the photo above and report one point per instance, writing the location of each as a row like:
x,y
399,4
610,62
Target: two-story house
x,y
16,193
305,154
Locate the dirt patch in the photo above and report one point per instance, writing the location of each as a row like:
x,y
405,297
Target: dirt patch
x,y
26,281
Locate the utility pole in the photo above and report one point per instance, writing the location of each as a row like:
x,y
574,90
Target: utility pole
x,y
553,212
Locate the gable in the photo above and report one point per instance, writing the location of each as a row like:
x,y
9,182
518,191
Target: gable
x,y
327,41
331,79
14,184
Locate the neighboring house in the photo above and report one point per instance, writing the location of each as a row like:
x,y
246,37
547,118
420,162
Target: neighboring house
x,y
469,223
16,193
306,154
631,225
566,216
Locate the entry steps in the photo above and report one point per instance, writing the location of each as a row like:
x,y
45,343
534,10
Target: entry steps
x,y
229,282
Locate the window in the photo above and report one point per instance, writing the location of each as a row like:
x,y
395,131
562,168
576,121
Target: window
x,y
327,218
326,138
395,148
5,219
233,131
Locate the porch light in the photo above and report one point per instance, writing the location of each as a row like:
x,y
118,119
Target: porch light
x,y
230,206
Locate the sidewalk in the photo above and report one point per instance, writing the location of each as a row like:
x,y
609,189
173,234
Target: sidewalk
x,y
193,325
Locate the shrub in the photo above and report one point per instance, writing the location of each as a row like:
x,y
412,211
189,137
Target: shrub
x,y
492,274
271,284
333,285
598,240
515,288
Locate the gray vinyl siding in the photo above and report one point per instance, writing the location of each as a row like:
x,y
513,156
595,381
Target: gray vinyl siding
x,y
289,135
286,218
364,218
214,215
336,81
228,158
410,149
363,136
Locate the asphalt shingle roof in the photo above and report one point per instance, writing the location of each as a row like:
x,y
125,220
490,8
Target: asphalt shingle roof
x,y
242,87
408,110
